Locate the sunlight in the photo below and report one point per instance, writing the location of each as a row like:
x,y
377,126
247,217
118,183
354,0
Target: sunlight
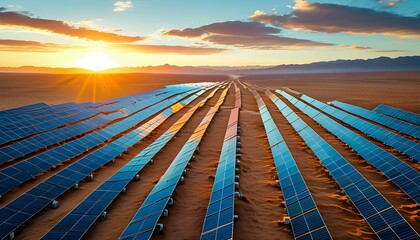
x,y
97,61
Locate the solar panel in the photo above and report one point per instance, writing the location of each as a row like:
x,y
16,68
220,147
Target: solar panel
x,y
401,174
397,125
220,211
30,123
306,220
90,209
144,222
25,170
27,146
238,102
404,145
398,113
17,212
92,119
19,110
382,217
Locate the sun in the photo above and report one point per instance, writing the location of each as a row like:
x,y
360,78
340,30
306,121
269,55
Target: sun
x,y
96,61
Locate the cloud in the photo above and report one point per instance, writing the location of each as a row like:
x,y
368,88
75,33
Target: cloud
x,y
236,28
122,6
388,51
356,47
167,49
333,18
243,34
60,27
8,45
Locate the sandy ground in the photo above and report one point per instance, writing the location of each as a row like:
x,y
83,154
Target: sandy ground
x,y
260,210
399,89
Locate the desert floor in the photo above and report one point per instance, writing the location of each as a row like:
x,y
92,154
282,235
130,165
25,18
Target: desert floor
x,y
260,209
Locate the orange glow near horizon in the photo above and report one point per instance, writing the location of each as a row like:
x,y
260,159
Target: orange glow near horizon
x,y
97,61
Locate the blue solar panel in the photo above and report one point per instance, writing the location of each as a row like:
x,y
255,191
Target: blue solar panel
x,y
400,126
22,109
50,138
146,218
23,208
406,146
51,117
97,202
220,209
404,176
25,170
91,121
368,201
398,113
305,218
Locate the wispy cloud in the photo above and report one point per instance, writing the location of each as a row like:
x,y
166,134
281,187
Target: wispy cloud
x,y
121,6
333,18
243,34
168,49
9,45
17,19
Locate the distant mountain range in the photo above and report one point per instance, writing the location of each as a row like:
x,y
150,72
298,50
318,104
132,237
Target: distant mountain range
x,y
411,63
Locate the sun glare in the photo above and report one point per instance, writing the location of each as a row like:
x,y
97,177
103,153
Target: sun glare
x,y
96,61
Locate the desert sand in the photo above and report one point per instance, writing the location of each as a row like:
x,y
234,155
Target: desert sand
x,y
260,209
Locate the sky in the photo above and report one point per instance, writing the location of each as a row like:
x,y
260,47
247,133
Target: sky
x,y
99,34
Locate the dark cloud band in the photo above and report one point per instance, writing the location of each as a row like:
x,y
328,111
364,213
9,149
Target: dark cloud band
x,y
333,18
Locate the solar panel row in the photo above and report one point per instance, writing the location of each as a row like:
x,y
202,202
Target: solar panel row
x,y
25,170
218,221
56,136
20,110
406,146
35,113
398,113
20,126
124,108
382,217
306,220
17,212
90,209
397,125
401,174
28,124
238,103
144,222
